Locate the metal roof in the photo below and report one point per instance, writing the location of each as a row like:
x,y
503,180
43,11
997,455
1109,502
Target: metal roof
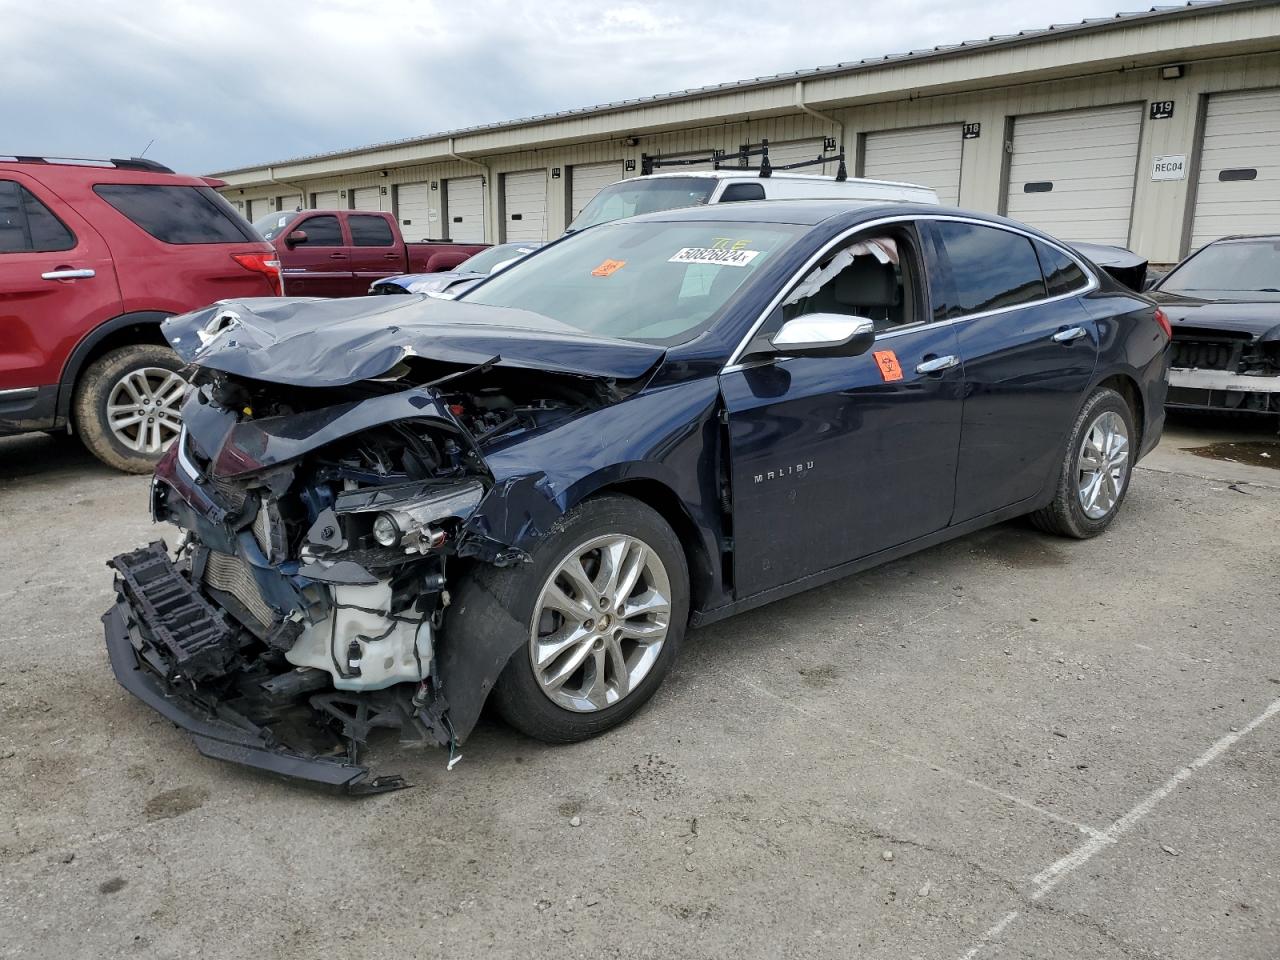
x,y
838,69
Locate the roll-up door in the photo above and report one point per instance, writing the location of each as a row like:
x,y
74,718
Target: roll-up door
x,y
366,198
524,198
414,211
588,179
796,150
929,156
1072,173
258,208
325,200
287,203
1239,183
464,210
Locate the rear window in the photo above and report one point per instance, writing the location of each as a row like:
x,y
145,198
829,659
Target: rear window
x,y
991,269
176,214
370,232
27,225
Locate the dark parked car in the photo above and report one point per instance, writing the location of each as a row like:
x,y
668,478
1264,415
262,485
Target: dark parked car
x,y
339,253
392,507
462,277
1223,302
93,255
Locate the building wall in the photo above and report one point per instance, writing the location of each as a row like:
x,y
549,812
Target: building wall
x,y
1161,210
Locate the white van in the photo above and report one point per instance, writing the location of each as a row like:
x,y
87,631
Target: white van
x,y
669,191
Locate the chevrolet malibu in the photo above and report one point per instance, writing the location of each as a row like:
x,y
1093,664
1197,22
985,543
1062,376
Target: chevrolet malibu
x,y
395,509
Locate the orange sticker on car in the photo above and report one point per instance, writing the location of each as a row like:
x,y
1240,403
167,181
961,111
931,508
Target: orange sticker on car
x,y
608,267
887,361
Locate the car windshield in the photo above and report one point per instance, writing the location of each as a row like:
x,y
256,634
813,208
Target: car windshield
x,y
1231,267
656,282
630,198
273,224
486,260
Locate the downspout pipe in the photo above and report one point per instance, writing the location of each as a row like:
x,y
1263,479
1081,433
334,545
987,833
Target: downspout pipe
x,y
826,118
302,193
488,180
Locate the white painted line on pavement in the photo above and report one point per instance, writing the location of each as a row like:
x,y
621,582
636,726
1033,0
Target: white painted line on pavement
x,y
913,758
1056,872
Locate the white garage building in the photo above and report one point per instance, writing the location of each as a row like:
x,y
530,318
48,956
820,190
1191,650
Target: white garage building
x,y
1157,130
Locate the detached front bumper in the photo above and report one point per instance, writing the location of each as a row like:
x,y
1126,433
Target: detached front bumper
x,y
218,732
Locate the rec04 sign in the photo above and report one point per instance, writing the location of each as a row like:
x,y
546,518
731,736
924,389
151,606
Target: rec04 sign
x,y
1169,168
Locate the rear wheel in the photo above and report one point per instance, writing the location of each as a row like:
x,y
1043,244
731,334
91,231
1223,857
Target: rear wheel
x,y
1096,467
606,600
127,405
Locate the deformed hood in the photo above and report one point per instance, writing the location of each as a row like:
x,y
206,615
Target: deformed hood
x,y
308,342
1258,318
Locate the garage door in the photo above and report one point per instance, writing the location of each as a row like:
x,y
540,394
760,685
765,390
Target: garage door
x,y
524,197
289,203
1071,174
796,150
258,208
588,179
366,198
1239,185
325,200
414,211
464,199
929,156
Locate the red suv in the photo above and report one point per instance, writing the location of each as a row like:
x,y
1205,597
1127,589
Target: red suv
x,y
93,256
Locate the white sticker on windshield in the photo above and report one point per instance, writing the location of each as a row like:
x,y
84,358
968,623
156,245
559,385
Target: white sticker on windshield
x,y
724,258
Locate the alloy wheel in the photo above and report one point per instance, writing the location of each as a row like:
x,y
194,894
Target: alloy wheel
x,y
143,408
1102,467
600,623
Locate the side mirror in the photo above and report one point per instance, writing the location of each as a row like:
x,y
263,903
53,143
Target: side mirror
x,y
295,238
823,335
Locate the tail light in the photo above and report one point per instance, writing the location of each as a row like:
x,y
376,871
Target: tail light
x,y
1164,324
263,263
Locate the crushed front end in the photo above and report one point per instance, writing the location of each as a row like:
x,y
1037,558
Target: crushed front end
x,y
302,606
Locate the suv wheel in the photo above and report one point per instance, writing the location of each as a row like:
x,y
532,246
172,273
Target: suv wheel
x,y
126,406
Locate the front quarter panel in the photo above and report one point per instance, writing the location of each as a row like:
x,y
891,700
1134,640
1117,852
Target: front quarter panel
x,y
665,436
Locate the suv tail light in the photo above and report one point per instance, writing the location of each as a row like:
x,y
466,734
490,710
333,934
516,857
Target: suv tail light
x,y
1164,324
263,263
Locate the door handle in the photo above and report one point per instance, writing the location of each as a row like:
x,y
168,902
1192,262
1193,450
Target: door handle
x,y
938,364
1069,334
66,273
391,256
337,256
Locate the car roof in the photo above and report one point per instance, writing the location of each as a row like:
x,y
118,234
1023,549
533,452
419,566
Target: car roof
x,y
1246,236
801,212
775,175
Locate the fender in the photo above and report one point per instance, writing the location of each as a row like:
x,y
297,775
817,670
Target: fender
x,y
80,353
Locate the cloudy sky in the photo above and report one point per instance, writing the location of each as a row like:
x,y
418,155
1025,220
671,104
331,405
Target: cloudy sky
x,y
233,83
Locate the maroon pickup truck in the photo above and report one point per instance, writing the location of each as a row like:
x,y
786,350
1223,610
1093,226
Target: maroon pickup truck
x,y
338,253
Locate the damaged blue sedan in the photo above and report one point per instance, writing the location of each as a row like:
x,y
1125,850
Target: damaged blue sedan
x,y
395,509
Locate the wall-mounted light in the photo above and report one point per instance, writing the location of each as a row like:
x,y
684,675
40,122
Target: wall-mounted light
x,y
383,173
631,141
1172,72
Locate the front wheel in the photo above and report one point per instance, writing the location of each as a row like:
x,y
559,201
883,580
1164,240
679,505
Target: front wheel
x,y
1096,468
606,600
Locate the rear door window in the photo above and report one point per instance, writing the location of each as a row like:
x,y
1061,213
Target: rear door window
x,y
178,214
991,269
321,231
370,231
1061,274
27,225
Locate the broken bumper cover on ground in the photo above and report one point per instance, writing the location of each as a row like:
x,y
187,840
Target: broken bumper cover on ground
x,y
218,732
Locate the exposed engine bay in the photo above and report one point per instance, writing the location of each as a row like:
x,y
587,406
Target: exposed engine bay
x,y
323,530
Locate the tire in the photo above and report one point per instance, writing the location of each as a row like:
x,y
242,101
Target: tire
x,y
519,694
124,376
1071,513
